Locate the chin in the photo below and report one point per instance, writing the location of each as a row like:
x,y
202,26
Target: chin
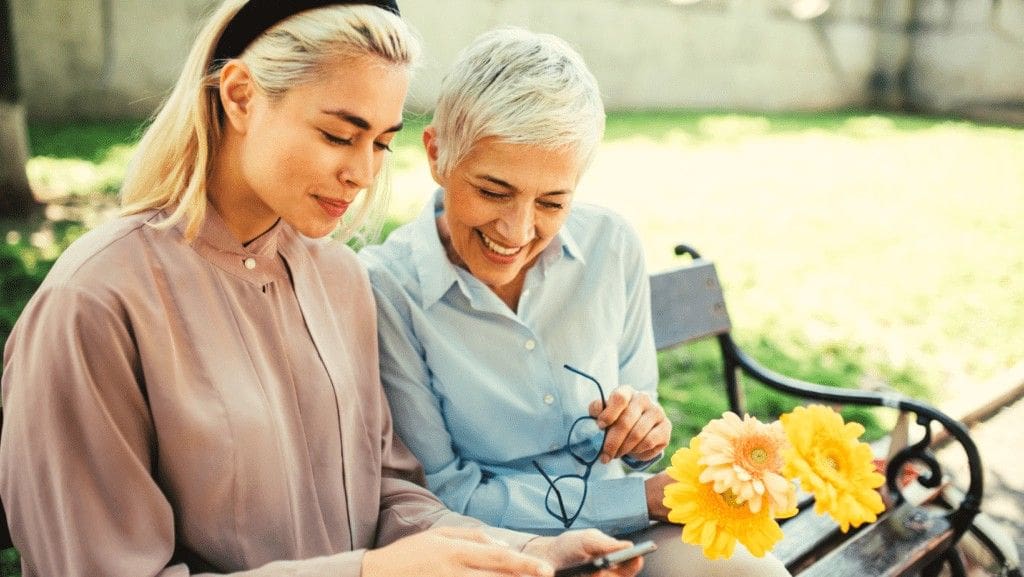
x,y
315,229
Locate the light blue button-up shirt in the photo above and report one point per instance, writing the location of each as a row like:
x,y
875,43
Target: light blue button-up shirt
x,y
478,391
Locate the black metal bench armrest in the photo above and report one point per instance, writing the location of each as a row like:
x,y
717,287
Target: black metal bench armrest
x,y
961,517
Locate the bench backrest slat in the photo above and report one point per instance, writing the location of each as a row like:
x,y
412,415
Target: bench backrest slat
x,y
687,304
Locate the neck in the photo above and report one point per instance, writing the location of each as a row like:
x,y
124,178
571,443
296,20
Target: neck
x,y
242,211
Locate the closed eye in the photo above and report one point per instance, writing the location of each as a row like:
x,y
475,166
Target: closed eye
x,y
491,194
336,139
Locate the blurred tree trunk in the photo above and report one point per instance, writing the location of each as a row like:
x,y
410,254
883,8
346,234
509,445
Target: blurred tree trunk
x,y
16,199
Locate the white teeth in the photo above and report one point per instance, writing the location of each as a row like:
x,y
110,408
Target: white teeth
x,y
497,247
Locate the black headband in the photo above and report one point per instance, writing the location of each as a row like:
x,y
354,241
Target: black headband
x,y
258,16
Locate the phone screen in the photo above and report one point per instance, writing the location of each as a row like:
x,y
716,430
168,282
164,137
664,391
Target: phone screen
x,y
609,560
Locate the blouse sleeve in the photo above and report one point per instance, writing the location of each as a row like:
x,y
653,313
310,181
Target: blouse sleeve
x,y
407,507
77,451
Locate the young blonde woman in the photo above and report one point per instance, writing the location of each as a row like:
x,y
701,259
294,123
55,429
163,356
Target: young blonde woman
x,y
194,389
515,324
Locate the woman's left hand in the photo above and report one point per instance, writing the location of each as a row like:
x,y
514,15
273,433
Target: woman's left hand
x,y
636,425
574,547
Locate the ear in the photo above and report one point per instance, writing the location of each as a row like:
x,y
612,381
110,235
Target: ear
x,y
430,144
236,94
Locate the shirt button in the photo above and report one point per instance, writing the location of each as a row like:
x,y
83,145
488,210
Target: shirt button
x,y
549,399
530,344
250,263
554,446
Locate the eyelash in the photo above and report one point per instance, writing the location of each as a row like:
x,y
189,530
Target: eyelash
x,y
348,141
492,194
499,196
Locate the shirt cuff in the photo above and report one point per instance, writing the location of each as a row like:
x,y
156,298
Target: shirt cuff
x,y
618,506
641,465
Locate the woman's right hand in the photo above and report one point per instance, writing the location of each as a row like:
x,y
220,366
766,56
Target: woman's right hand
x,y
451,552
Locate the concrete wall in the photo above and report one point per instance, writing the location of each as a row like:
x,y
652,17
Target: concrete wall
x,y
117,58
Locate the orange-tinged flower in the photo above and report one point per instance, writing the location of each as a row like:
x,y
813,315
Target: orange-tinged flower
x,y
830,462
745,456
712,520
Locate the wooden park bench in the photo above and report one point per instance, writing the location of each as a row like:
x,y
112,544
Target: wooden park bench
x,y
920,532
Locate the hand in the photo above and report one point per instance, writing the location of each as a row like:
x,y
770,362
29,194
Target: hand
x,y
451,552
655,489
636,425
573,547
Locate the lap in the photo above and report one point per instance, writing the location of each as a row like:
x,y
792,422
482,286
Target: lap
x,y
677,559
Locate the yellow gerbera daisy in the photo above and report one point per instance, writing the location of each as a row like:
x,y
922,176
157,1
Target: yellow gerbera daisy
x,y
744,456
711,520
830,462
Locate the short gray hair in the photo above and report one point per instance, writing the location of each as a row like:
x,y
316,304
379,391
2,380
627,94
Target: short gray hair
x,y
520,87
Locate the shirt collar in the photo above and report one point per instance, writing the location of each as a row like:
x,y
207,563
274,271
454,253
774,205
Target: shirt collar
x,y
436,273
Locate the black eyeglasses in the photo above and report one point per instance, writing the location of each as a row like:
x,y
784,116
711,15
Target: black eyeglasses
x,y
568,492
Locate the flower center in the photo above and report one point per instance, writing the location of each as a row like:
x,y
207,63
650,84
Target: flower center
x,y
759,456
730,499
830,462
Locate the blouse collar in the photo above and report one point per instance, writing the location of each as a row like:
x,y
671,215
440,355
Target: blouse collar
x,y
256,262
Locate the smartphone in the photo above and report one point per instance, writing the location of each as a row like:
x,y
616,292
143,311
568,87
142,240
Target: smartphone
x,y
609,560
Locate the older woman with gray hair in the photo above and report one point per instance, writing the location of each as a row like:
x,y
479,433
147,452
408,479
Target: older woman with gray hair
x,y
514,323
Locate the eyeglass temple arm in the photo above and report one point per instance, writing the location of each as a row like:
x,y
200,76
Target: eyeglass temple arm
x,y
592,379
558,494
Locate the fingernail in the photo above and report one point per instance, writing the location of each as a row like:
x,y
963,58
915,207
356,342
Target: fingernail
x,y
546,569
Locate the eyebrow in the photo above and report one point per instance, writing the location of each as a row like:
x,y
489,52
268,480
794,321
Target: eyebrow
x,y
504,184
359,121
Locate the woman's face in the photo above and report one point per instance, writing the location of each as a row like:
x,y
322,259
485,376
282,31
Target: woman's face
x,y
306,156
503,204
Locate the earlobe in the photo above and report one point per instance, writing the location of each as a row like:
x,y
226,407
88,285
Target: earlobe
x,y
430,145
236,90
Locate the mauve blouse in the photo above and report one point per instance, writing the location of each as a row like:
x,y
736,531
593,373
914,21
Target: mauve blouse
x,y
172,408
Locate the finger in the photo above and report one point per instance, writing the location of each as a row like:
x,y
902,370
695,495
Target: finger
x,y
618,401
652,431
636,440
627,569
595,408
469,534
617,433
501,561
594,542
645,456
654,443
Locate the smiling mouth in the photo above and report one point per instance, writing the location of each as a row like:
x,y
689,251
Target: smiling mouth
x,y
334,208
497,248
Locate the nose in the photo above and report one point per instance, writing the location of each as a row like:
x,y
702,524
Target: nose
x,y
357,168
517,224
